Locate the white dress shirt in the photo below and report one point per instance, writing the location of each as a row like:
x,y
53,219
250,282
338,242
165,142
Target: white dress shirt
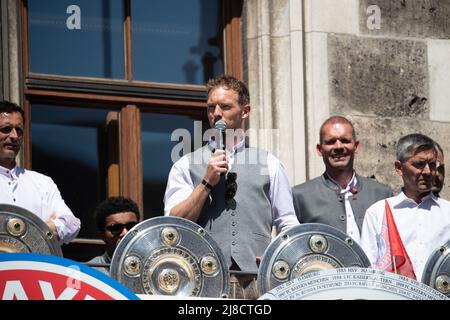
x,y
352,226
40,195
423,228
180,187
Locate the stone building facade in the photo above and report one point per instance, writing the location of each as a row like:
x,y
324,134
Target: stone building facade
x,y
383,64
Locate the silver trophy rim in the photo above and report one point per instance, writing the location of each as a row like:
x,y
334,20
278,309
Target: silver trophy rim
x,y
276,246
432,266
167,221
38,223
370,287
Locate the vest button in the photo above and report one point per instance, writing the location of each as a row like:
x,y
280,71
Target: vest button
x,y
233,243
233,213
342,217
233,223
233,233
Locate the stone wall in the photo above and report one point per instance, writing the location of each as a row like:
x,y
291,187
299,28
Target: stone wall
x,y
273,68
10,51
395,80
384,64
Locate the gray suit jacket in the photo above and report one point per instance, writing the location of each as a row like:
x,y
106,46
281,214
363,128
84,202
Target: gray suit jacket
x,y
319,201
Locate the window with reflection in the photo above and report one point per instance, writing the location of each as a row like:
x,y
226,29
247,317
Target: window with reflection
x,y
70,145
165,139
76,37
84,59
176,41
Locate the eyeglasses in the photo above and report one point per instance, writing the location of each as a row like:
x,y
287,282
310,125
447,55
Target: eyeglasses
x,y
230,186
117,228
432,165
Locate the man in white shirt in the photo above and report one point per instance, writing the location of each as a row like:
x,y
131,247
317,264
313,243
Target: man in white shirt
x,y
235,199
422,219
29,189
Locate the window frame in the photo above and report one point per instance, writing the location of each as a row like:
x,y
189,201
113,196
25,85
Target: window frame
x,y
130,96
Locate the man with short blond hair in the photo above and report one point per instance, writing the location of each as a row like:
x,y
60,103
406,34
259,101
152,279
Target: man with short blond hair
x,y
234,199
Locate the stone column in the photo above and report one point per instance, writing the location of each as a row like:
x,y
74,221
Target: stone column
x,y
4,83
10,51
274,71
10,55
322,18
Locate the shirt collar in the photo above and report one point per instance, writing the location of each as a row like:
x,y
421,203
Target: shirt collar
x,y
402,201
238,147
11,173
351,184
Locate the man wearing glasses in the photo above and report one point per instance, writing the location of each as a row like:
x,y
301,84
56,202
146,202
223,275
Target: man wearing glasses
x,y
29,189
236,194
421,218
114,217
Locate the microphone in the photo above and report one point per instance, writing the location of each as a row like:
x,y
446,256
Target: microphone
x,y
221,126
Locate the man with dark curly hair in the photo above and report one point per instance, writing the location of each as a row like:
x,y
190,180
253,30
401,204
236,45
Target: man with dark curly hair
x,y
114,217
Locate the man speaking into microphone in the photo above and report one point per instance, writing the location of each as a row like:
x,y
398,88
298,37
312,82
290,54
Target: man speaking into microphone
x,y
237,193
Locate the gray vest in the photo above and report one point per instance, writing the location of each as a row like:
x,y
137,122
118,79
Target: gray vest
x,y
242,228
319,201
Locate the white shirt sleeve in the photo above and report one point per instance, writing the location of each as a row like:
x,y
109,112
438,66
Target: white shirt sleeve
x,y
179,185
370,232
67,225
283,212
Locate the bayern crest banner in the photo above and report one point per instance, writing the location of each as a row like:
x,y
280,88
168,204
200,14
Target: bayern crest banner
x,y
29,276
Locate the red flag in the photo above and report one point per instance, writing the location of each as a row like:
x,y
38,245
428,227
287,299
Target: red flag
x,y
394,257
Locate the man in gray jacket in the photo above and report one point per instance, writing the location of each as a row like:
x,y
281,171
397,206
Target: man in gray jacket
x,y
339,197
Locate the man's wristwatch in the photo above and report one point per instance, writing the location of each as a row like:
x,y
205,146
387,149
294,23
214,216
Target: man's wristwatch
x,y
207,185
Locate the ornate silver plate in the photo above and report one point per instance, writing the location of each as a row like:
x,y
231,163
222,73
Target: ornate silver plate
x,y
307,248
437,270
170,256
22,231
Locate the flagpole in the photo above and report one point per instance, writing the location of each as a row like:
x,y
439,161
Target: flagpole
x,y
393,263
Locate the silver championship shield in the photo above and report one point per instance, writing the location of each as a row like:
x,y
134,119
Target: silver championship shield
x,y
353,284
307,248
170,256
437,270
21,231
